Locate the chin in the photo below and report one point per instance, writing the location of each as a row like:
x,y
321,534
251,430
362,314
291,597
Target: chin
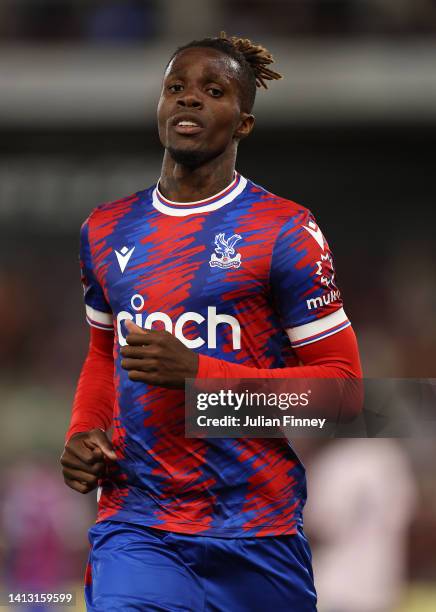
x,y
189,157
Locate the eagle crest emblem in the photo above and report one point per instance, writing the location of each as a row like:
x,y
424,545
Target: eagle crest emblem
x,y
225,255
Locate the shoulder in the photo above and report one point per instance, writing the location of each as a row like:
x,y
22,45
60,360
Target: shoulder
x,y
293,225
286,211
112,211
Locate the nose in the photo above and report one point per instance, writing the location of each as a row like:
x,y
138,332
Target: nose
x,y
189,100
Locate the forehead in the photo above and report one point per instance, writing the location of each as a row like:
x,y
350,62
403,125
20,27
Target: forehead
x,y
203,61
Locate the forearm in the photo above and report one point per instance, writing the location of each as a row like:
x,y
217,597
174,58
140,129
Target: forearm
x,y
218,368
334,357
94,397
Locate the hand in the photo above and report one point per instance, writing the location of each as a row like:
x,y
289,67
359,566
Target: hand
x,y
157,358
83,459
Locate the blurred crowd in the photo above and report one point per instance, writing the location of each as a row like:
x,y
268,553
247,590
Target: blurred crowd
x,y
132,21
69,20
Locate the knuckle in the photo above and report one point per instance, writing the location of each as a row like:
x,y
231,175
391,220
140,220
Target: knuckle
x,y
82,486
88,459
96,469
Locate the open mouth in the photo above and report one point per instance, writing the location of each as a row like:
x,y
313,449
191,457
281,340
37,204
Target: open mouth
x,y
187,126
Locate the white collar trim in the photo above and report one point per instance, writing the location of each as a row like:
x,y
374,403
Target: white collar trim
x,y
182,209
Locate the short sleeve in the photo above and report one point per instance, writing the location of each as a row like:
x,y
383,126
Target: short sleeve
x,y
98,311
303,282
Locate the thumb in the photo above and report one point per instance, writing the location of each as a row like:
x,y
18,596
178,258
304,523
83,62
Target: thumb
x,y
99,440
133,328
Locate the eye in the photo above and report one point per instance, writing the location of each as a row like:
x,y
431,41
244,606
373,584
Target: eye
x,y
176,88
215,92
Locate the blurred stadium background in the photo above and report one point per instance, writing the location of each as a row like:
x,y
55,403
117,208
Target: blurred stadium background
x,y
350,132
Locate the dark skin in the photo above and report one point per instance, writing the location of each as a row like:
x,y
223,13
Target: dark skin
x,y
202,84
85,458
201,87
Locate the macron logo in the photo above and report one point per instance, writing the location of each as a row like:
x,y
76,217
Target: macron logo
x,y
315,232
123,256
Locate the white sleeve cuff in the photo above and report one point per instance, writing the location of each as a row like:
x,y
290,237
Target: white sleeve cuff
x,y
98,319
318,329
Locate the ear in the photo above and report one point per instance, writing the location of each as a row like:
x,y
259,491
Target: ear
x,y
246,124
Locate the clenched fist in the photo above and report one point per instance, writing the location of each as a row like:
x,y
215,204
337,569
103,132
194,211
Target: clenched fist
x,y
157,358
84,459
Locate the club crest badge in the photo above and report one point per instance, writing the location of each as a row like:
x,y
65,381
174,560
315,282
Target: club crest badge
x,y
225,255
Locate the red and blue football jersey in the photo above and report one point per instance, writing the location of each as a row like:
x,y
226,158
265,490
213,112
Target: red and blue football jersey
x,y
244,276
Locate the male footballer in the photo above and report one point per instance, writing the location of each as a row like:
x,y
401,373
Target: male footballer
x,y
202,275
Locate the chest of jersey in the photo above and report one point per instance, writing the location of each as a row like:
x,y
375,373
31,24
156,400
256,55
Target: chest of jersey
x,y
197,276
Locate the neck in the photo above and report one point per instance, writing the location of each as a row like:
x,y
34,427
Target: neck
x,y
184,184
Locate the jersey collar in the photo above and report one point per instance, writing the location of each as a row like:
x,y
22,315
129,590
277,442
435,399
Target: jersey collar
x,y
182,209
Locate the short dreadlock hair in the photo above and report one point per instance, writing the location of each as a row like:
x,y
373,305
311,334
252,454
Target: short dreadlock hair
x,y
253,60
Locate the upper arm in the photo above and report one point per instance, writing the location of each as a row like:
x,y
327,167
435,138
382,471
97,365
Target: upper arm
x,y
304,284
98,311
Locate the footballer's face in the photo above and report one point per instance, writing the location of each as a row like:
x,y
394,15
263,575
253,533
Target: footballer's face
x,y
199,112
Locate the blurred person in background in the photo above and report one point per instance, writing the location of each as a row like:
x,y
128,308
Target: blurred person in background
x,y
189,524
362,497
42,525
